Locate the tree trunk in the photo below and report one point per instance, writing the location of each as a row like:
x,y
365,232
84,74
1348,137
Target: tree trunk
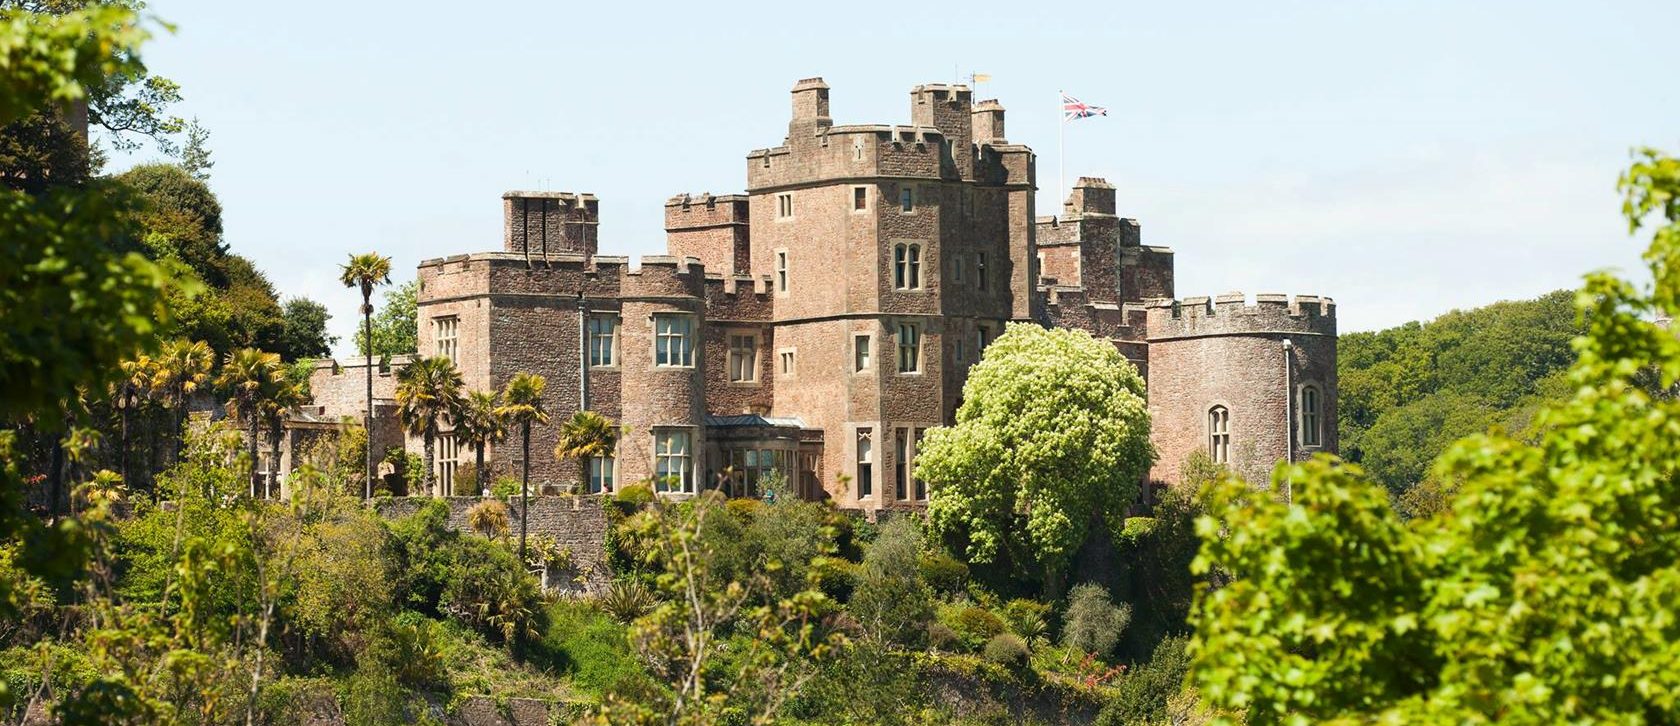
x,y
152,467
478,471
524,488
123,405
256,474
274,437
367,341
55,487
430,477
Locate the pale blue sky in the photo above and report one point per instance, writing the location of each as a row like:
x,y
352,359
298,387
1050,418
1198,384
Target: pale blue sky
x,y
1404,158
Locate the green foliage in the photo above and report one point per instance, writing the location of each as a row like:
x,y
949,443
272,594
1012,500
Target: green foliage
x,y
947,575
626,599
1027,618
974,625
1092,623
489,518
589,647
1408,392
866,683
1142,695
396,326
1008,650
505,487
488,590
634,495
1052,435
1545,594
303,330
891,602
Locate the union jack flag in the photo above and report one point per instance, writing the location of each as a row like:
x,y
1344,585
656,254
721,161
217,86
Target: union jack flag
x,y
1073,108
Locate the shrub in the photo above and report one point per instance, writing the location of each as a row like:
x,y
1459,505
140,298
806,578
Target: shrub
x,y
491,592
626,600
587,645
945,574
372,697
891,602
1093,624
836,577
489,518
504,487
1008,650
1026,618
1141,696
941,637
412,647
634,495
976,625
745,510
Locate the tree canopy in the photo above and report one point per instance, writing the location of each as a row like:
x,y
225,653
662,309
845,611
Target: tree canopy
x,y
1544,593
396,327
1052,436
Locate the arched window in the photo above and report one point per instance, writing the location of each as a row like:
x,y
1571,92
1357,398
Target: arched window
x,y
907,266
1219,434
1312,428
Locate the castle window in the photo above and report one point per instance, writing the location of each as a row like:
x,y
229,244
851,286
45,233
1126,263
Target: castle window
x,y
907,199
857,150
956,268
909,348
1311,431
787,364
784,206
865,465
901,471
671,461
982,336
601,473
673,341
743,358
445,466
443,333
781,271
860,197
1219,434
980,270
603,341
961,351
860,352
921,486
907,266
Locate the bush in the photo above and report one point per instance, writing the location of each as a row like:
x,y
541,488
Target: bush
x,y
626,600
372,697
634,496
490,591
489,518
504,487
1093,624
1008,650
745,510
587,645
1141,696
976,625
412,648
1026,618
945,574
941,637
891,602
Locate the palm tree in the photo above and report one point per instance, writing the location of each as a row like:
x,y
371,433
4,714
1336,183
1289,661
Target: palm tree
x,y
250,377
428,389
478,426
136,382
183,366
522,404
365,271
286,395
585,436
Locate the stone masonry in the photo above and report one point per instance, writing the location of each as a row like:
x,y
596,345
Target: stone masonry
x,y
817,324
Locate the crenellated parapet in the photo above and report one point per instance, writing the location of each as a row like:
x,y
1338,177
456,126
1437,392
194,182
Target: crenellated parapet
x,y
1233,314
563,275
739,297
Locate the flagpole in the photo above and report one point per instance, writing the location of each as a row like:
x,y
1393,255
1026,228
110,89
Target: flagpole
x,y
1061,150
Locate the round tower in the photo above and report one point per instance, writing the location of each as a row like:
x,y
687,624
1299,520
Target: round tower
x,y
1250,384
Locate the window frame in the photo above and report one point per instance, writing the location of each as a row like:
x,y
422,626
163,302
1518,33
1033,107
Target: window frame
x,y
686,339
863,356
915,347
614,325
863,462
1311,417
907,266
782,267
980,270
860,199
907,199
784,206
1218,424
664,454
603,474
787,362
451,323
734,353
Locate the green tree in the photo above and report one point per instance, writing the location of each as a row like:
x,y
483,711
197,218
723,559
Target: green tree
x,y
479,425
1546,593
522,405
1052,436
585,436
285,395
891,602
250,377
303,330
363,272
195,153
1093,624
396,328
183,366
428,391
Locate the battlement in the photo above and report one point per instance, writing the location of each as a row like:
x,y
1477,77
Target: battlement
x,y
1090,195
1232,314
988,122
542,223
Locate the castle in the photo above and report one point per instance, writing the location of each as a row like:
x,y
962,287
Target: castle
x,y
818,324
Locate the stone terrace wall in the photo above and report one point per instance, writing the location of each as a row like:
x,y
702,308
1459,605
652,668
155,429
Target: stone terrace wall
x,y
582,529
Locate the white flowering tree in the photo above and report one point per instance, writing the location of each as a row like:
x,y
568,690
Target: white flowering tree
x,y
1052,438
